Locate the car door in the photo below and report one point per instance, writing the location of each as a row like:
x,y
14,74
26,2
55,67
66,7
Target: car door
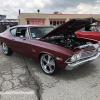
x,y
21,42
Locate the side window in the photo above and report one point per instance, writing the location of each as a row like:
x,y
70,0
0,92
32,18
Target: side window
x,y
13,32
94,29
21,31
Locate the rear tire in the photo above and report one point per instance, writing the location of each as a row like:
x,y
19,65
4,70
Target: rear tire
x,y
48,64
6,49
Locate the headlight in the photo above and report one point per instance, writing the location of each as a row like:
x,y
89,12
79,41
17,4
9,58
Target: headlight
x,y
78,56
74,58
99,49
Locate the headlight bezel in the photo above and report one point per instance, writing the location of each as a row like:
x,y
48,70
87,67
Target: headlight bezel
x,y
78,56
74,58
99,49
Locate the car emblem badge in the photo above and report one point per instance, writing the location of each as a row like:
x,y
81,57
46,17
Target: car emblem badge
x,y
59,58
33,50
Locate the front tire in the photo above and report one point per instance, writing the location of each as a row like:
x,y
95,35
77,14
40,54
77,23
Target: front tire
x,y
6,49
48,64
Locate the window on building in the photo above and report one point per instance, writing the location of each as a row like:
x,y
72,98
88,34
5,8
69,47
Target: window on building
x,y
60,22
50,22
27,22
56,22
63,22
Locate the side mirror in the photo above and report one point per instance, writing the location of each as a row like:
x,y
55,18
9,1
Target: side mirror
x,y
21,36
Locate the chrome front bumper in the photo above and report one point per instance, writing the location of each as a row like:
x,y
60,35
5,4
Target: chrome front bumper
x,y
76,64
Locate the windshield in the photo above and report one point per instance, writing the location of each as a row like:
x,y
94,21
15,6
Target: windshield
x,y
93,28
38,32
98,27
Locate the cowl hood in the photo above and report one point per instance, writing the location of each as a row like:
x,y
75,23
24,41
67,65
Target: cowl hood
x,y
70,27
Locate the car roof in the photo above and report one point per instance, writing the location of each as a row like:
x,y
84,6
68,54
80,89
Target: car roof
x,y
31,26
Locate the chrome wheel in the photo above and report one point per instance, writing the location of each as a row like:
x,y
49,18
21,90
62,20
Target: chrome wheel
x,y
5,48
48,63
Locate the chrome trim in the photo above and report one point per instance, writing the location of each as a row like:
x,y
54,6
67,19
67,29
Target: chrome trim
x,y
33,50
96,45
59,58
84,46
86,54
76,64
87,45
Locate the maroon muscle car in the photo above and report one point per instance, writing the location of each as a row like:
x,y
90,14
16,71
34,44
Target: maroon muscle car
x,y
53,48
91,32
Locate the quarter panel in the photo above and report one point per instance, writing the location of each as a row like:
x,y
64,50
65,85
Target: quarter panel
x,y
7,38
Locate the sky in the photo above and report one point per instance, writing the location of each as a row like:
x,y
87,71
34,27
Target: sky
x,y
10,8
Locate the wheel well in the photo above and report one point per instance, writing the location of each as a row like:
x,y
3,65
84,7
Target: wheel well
x,y
44,53
1,43
40,55
56,66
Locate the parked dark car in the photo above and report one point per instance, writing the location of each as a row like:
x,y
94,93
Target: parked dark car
x,y
53,48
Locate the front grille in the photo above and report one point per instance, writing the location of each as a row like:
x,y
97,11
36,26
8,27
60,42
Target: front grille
x,y
89,53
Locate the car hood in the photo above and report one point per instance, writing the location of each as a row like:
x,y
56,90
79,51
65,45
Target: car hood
x,y
70,27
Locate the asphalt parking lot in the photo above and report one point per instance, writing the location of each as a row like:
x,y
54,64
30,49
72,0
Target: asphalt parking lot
x,y
16,82
82,83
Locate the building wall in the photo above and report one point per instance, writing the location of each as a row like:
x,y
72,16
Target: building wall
x,y
23,16
2,16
